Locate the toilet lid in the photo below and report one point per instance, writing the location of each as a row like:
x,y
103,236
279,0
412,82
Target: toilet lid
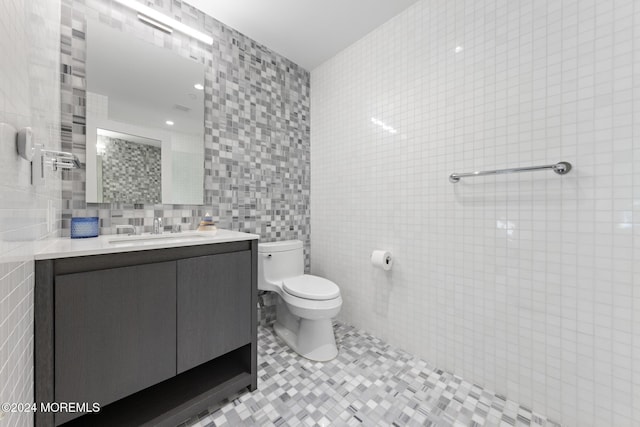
x,y
311,287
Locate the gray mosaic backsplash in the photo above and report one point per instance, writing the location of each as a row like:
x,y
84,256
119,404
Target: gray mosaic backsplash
x,y
257,145
130,171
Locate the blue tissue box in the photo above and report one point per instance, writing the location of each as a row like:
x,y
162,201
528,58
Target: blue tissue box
x,y
83,227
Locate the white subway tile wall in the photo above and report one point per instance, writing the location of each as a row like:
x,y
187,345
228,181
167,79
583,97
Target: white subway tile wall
x,y
526,284
29,96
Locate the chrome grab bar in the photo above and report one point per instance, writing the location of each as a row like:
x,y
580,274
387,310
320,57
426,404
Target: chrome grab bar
x,y
561,168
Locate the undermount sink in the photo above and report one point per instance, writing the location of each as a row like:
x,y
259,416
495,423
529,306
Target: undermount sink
x,y
153,238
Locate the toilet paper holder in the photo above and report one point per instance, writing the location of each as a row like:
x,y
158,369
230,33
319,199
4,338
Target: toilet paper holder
x,y
383,259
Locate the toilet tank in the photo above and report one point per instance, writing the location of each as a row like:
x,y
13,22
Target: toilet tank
x,y
279,260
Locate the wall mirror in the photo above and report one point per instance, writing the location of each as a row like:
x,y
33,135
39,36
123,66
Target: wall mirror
x,y
145,121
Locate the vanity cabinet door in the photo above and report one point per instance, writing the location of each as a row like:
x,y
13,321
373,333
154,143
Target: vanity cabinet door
x,y
214,306
115,332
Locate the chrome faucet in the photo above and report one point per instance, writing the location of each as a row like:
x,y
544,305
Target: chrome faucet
x,y
157,225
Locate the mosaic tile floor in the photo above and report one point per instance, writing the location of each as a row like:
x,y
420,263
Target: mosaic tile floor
x,y
370,383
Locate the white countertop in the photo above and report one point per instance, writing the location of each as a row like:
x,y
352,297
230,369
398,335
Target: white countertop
x,y
65,247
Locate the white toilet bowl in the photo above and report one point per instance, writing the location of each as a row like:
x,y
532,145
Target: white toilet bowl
x,y
306,303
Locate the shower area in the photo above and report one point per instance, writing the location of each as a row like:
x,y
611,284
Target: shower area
x,y
525,283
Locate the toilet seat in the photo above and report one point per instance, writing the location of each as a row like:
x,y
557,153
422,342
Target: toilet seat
x,y
311,287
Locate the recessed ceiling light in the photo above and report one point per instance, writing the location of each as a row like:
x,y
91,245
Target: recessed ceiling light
x,y
458,49
169,122
198,86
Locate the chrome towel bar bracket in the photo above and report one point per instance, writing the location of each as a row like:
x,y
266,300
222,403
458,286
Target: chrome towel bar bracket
x,y
561,168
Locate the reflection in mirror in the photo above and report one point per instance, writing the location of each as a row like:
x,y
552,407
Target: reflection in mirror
x,y
128,168
145,121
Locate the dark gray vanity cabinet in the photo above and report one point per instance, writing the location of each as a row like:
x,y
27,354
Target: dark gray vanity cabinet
x,y
225,303
153,336
115,332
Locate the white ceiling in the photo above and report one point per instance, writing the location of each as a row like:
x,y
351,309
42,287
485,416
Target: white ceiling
x,y
308,32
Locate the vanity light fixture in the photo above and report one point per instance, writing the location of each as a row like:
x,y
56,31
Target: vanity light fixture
x,y
155,24
198,86
164,20
169,122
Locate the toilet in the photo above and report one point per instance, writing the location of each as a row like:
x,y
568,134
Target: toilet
x,y
306,303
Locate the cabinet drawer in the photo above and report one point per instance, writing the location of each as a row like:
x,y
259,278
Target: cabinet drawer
x,y
115,332
214,306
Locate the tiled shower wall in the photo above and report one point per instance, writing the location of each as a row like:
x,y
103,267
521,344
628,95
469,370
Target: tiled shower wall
x,y
527,284
256,126
29,96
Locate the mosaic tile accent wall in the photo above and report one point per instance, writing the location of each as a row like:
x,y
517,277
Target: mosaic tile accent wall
x,y
130,171
256,127
29,96
527,284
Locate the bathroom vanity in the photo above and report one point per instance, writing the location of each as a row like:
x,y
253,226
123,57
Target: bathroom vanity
x,y
155,329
